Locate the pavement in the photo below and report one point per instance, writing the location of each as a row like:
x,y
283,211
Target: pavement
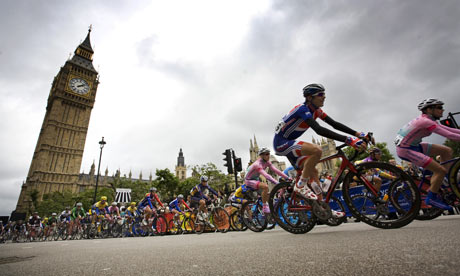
x,y
421,248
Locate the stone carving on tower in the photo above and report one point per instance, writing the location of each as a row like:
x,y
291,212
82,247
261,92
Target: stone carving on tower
x,y
58,153
181,169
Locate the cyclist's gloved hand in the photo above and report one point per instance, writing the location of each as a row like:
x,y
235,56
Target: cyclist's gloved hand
x,y
366,137
356,143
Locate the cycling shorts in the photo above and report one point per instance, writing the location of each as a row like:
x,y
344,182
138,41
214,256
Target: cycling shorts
x,y
290,149
235,199
253,184
418,155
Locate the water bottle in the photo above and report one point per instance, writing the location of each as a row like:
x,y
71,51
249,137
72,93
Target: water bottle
x,y
316,188
326,184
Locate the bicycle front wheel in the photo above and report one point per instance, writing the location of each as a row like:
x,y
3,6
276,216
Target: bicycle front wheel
x,y
454,178
253,216
397,202
220,219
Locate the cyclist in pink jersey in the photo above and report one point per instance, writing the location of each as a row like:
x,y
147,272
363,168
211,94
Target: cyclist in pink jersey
x,y
409,146
252,178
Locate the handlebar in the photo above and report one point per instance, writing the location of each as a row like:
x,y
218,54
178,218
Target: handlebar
x,y
368,139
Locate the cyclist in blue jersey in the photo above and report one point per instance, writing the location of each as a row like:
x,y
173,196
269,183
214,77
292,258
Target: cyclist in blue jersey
x,y
303,155
199,197
149,204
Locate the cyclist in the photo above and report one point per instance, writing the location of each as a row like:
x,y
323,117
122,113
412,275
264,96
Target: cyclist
x,y
306,155
237,198
375,154
174,205
100,208
199,198
409,146
253,172
77,214
114,211
34,224
149,204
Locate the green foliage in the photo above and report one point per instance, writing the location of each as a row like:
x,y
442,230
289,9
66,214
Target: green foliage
x,y
166,183
455,146
217,179
386,155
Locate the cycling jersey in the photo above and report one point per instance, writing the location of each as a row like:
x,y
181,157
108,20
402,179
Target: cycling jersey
x,y
77,212
35,220
65,215
52,220
376,171
130,211
149,200
409,144
197,192
99,207
295,123
113,210
257,168
175,204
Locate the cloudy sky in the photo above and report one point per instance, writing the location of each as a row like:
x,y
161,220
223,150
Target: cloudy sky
x,y
209,75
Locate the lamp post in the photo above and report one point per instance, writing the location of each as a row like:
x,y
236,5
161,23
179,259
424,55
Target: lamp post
x,y
101,144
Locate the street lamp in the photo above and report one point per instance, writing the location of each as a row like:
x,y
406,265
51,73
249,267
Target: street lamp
x,y
101,144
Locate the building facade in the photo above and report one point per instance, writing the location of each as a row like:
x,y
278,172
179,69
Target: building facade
x,y
58,154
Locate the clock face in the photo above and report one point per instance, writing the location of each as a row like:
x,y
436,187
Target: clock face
x,y
79,86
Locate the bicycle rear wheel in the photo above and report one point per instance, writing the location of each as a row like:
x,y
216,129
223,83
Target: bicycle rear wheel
x,y
161,225
396,204
290,212
426,212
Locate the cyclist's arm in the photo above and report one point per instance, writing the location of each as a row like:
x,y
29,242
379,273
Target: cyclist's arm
x,y
267,176
340,126
278,172
149,202
213,191
449,133
186,205
158,200
324,131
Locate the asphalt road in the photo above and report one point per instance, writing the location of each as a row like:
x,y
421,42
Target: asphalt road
x,y
421,248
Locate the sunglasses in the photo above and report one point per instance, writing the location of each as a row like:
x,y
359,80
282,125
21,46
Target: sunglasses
x,y
319,94
438,107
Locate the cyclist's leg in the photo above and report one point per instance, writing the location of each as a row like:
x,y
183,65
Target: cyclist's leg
x,y
314,153
439,171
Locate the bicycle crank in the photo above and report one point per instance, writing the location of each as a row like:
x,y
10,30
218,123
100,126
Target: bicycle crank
x,y
321,210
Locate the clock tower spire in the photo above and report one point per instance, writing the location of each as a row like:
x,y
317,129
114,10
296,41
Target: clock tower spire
x,y
58,154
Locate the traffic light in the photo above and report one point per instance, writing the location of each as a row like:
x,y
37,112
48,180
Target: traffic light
x,y
228,161
447,122
237,164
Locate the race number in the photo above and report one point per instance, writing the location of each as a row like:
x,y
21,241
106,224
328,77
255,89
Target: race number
x,y
398,140
279,127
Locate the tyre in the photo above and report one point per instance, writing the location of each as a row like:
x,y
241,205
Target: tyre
x,y
298,220
454,178
173,229
198,226
220,219
426,212
237,221
189,226
253,216
396,204
161,225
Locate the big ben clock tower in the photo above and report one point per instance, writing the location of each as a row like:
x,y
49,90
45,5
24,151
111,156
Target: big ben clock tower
x,y
58,154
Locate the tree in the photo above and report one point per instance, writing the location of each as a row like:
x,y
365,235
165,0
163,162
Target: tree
x,y
166,183
34,199
217,179
455,146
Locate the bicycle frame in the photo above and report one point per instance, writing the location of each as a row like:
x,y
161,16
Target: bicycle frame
x,y
345,164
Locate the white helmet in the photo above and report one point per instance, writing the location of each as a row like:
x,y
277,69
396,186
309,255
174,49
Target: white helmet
x,y
114,203
264,150
429,102
204,178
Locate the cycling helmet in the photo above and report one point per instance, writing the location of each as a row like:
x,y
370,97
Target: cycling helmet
x,y
103,198
153,190
79,204
180,197
114,203
375,150
312,89
54,214
204,178
133,203
429,102
264,150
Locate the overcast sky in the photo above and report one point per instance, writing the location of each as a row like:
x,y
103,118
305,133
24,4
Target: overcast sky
x,y
209,75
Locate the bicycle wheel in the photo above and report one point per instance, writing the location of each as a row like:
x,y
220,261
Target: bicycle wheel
x,y
198,225
336,205
189,226
253,216
454,178
398,200
290,212
237,221
161,225
173,229
220,219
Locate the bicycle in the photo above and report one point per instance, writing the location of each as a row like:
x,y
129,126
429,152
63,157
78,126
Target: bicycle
x,y
450,192
236,220
252,213
218,219
298,215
